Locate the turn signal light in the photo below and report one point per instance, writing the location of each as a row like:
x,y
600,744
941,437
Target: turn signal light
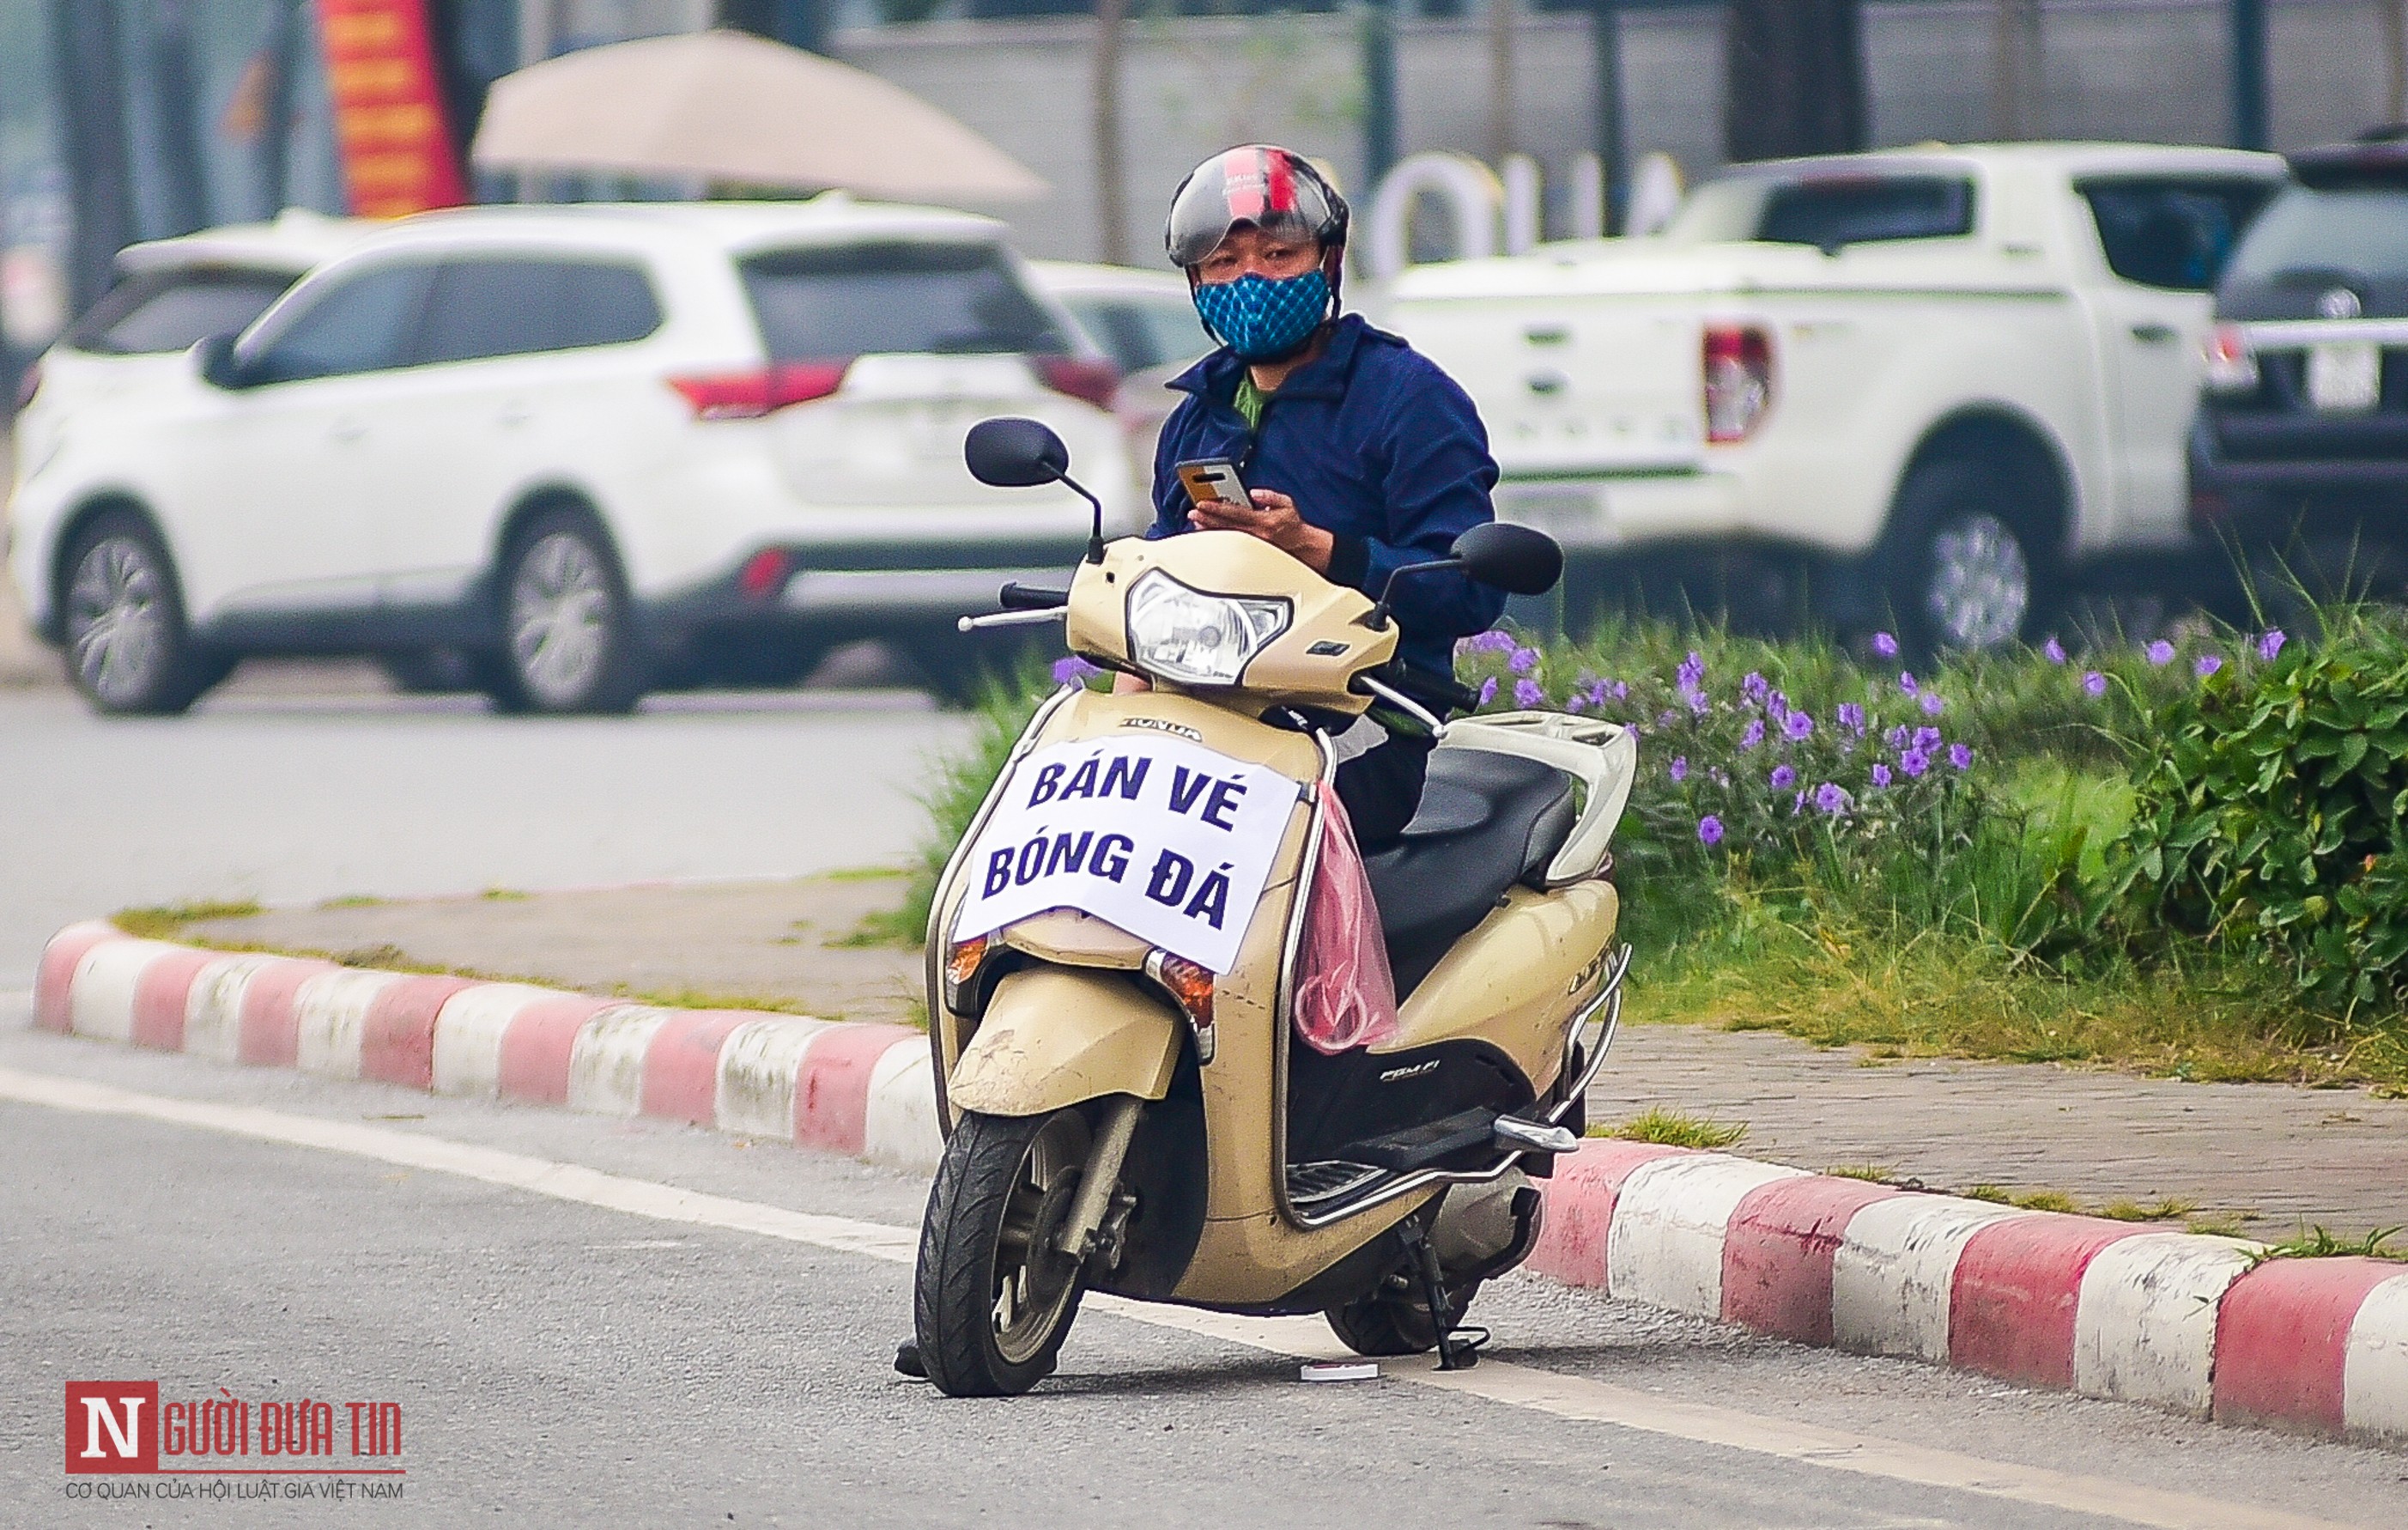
x,y
751,395
1096,382
1190,986
963,959
1739,381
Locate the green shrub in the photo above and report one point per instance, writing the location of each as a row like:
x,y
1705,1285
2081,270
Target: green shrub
x,y
2268,819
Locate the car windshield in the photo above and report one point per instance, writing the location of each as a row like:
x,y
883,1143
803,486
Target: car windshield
x,y
1825,210
895,298
1140,332
155,311
2356,231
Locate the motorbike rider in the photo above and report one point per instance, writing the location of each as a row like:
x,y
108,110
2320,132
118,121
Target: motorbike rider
x,y
1361,455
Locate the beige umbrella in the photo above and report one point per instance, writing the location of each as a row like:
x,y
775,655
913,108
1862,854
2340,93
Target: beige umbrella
x,y
729,107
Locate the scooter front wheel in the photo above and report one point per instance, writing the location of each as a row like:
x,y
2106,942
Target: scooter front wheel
x,y
993,1298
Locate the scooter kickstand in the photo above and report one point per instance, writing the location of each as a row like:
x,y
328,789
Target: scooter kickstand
x,y
1451,1356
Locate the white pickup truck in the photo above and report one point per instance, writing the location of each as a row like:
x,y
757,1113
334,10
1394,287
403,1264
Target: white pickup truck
x,y
1929,381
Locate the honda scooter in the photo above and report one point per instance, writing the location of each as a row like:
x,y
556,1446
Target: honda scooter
x,y
1117,947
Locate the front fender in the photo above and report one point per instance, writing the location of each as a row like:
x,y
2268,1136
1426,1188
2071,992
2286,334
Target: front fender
x,y
1051,1037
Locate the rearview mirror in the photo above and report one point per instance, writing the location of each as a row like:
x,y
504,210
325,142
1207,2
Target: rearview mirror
x,y
1013,454
218,365
1514,559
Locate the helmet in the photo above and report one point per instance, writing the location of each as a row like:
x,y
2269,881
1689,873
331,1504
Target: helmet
x,y
1277,190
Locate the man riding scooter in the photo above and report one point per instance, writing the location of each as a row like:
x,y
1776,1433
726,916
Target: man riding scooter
x,y
1362,456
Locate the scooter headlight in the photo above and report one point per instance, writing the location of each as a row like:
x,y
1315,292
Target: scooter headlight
x,y
1187,635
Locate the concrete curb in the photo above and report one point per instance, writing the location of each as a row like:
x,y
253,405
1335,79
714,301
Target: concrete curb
x,y
2103,1308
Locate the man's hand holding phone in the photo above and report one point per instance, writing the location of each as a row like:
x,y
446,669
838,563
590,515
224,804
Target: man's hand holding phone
x,y
1271,515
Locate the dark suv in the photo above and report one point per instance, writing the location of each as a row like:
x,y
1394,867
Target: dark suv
x,y
2302,444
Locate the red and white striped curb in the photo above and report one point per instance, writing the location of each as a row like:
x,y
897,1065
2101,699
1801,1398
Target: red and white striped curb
x,y
863,1090
2104,1308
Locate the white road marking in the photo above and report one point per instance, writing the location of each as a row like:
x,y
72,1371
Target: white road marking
x,y
1562,1396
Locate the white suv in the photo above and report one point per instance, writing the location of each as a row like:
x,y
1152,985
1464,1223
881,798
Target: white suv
x,y
585,448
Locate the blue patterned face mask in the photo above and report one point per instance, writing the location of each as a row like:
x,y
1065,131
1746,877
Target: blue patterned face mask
x,y
1262,320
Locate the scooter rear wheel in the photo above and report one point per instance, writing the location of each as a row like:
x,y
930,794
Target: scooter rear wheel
x,y
993,1298
1392,1319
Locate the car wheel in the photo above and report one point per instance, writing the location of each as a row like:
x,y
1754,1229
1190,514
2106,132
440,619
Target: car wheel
x,y
1964,573
128,649
568,637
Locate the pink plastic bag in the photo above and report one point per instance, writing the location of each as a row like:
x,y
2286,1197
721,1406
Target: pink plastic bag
x,y
1345,995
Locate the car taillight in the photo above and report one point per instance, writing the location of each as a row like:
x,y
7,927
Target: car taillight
x,y
1739,381
750,395
763,573
1096,382
1191,986
2231,367
28,384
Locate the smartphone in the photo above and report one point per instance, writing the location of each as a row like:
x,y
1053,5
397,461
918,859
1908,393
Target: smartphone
x,y
1214,478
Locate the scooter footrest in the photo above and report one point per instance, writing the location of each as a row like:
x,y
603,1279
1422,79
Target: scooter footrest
x,y
1327,1181
1428,1144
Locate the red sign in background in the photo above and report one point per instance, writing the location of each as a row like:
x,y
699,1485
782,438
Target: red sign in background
x,y
112,1426
390,121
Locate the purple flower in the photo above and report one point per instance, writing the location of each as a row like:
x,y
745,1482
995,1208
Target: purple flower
x,y
2094,683
2270,644
1884,644
1896,737
1852,717
1797,803
1914,762
1667,718
1926,739
1880,775
1829,799
1754,734
1522,660
2208,665
1754,686
2161,653
1073,670
1906,681
1783,778
1491,641
1576,704
1798,727
1700,703
1526,693
1710,830
1621,690
1933,705
1692,671
1960,757
1680,767
1488,689
2053,651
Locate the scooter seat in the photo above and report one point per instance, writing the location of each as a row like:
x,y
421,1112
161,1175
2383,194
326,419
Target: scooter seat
x,y
1486,821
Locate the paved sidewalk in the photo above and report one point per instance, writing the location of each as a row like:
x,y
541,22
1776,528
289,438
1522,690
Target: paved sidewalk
x,y
2275,1155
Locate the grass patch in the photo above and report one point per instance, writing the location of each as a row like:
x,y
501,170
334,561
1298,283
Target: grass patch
x,y
863,874
1673,1129
504,894
354,900
2316,1243
167,920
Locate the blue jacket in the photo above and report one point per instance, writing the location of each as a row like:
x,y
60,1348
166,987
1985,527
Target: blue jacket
x,y
1376,446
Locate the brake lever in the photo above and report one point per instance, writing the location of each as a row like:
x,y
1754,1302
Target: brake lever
x,y
1011,618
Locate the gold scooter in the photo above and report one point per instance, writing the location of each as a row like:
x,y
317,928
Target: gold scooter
x,y
1133,1112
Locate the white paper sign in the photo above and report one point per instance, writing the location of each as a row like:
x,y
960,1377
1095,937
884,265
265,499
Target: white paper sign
x,y
1164,840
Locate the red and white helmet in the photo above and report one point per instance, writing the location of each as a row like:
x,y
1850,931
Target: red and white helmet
x,y
1276,190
